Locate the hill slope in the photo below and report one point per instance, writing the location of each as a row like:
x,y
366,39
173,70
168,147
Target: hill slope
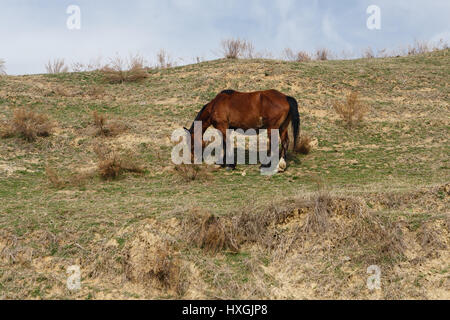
x,y
396,164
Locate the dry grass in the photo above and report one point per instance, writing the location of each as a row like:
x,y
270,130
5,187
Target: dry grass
x,y
120,70
27,124
112,165
323,54
352,111
106,128
368,53
304,145
301,56
237,48
209,232
56,66
73,180
96,91
164,60
150,261
192,172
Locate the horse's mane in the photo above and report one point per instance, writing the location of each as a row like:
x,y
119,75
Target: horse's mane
x,y
198,117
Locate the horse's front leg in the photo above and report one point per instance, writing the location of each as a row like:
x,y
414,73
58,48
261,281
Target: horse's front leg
x,y
223,130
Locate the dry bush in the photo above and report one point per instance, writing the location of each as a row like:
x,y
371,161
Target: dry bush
x,y
164,60
323,54
304,145
112,165
352,111
318,219
121,70
2,67
28,125
419,47
237,48
368,53
209,232
300,56
73,180
151,261
56,66
192,172
105,127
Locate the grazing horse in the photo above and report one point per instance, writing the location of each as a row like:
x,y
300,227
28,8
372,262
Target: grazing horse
x,y
268,109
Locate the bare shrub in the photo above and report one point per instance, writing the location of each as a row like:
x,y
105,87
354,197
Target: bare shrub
x,y
164,60
209,232
105,127
304,145
121,70
112,165
368,53
419,47
28,125
150,260
191,172
352,111
323,54
2,67
237,48
318,219
300,56
56,66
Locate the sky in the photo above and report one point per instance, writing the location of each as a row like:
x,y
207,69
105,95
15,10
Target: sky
x,y
34,31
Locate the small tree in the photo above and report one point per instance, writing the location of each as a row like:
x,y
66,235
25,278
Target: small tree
x,y
56,66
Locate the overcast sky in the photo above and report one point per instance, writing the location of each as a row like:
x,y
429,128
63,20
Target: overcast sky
x,y
34,31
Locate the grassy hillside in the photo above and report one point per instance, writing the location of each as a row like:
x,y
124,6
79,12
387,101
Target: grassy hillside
x,y
394,166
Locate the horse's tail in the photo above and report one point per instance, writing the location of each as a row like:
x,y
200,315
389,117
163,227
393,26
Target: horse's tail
x,y
295,118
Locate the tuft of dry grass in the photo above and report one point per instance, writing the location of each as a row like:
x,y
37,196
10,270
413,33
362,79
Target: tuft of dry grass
x,y
120,70
323,54
112,165
237,48
56,66
96,91
28,125
209,232
164,60
352,111
59,182
192,172
105,127
304,145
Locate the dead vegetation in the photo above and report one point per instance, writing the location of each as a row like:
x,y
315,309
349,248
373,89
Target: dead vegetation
x,y
107,128
304,145
56,66
59,181
323,54
151,261
164,60
27,124
237,48
121,70
209,232
300,56
192,172
111,164
352,111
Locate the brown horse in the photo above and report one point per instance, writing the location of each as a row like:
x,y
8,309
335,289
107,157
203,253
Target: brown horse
x,y
268,109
